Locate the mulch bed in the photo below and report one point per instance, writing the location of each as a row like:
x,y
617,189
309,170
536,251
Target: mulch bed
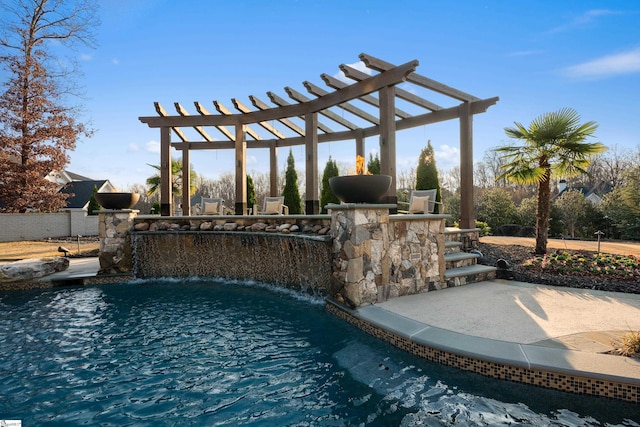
x,y
515,255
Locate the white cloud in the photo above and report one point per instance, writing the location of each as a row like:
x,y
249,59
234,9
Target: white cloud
x,y
610,65
133,148
585,19
115,61
252,160
358,66
526,53
447,156
153,147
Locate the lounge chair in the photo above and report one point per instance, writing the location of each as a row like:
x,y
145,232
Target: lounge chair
x,y
212,206
422,201
272,206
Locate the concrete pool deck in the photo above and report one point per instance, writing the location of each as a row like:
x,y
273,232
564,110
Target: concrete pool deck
x,y
520,324
534,327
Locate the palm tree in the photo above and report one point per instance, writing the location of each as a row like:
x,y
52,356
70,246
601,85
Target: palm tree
x,y
553,142
153,182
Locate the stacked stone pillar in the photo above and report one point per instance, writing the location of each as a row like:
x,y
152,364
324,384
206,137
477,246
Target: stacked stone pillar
x,y
114,228
361,241
377,257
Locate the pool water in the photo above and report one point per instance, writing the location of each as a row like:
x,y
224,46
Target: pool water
x,y
210,352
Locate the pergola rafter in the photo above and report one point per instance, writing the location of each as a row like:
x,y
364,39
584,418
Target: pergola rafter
x,y
313,111
280,102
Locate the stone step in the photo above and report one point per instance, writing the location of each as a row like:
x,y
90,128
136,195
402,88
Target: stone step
x,y
460,259
460,256
451,246
454,230
468,270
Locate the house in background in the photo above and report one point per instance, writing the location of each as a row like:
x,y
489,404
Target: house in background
x,y
593,194
80,187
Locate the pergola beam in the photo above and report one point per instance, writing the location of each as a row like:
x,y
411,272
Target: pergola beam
x,y
244,109
183,112
358,75
204,112
163,113
387,78
281,102
337,84
318,91
432,117
381,66
225,111
288,123
297,96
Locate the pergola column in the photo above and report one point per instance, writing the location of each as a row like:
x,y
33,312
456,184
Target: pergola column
x,y
467,218
241,170
387,97
186,183
360,144
273,170
312,203
166,208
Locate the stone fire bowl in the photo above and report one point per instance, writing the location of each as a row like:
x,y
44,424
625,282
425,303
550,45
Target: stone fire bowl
x,y
117,201
360,188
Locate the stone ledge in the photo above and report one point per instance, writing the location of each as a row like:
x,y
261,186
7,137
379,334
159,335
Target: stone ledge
x,y
351,206
32,268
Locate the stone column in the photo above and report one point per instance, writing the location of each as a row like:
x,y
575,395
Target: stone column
x,y
360,244
115,241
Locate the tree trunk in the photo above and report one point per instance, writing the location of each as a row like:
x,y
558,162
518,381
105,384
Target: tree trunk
x,y
544,213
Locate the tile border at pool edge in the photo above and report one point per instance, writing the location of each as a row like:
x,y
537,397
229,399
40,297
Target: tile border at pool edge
x,y
525,363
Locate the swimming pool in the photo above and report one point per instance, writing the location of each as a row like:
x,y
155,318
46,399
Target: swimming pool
x,y
211,352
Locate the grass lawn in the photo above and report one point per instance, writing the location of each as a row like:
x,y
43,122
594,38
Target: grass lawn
x,y
13,251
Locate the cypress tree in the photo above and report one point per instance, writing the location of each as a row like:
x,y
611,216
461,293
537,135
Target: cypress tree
x,y
326,195
373,165
94,206
291,192
427,173
252,200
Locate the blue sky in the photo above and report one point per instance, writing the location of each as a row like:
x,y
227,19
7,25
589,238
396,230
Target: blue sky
x,y
536,56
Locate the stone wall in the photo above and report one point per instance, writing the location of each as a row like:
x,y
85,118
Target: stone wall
x,y
377,256
358,251
115,240
296,261
292,250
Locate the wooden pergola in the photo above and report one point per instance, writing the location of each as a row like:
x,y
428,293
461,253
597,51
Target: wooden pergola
x,y
239,128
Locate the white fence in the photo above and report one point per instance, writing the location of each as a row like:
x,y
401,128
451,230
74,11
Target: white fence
x,y
37,226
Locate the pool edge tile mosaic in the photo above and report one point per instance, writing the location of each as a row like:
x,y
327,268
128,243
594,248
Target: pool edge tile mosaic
x,y
538,378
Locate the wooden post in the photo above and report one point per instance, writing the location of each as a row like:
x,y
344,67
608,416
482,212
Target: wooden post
x,y
186,183
388,140
360,144
467,219
273,171
166,195
241,170
312,203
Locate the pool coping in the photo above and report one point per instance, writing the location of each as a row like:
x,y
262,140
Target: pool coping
x,y
561,369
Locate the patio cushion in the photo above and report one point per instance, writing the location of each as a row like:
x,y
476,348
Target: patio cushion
x,y
211,208
419,204
272,207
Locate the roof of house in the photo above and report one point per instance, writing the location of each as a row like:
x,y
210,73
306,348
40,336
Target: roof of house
x,y
82,191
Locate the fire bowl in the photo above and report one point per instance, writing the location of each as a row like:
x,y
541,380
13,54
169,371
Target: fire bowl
x,y
117,201
360,188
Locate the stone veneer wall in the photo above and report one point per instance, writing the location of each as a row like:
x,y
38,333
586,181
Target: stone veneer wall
x,y
115,242
372,256
377,256
292,250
